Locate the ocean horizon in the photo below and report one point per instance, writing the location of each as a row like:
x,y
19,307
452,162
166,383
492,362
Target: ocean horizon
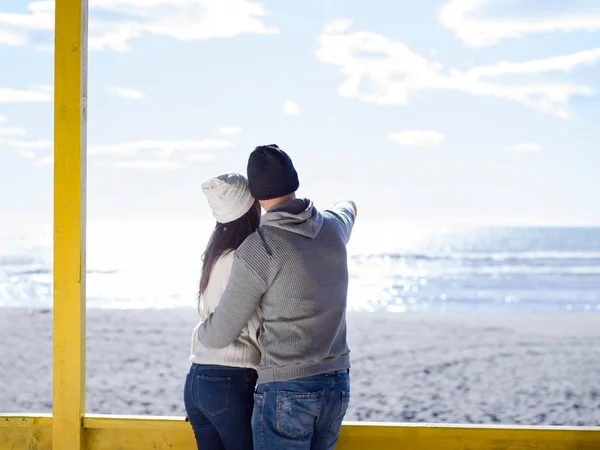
x,y
393,268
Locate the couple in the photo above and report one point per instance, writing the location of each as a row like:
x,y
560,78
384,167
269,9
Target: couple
x,y
270,361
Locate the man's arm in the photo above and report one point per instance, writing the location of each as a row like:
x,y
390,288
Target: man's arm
x,y
238,302
345,211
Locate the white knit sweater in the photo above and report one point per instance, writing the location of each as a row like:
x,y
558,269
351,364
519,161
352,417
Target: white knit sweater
x,y
244,351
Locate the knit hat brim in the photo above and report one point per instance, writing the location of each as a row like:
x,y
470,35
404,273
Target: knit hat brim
x,y
277,194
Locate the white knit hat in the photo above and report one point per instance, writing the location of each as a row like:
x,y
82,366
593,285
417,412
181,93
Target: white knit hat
x,y
228,196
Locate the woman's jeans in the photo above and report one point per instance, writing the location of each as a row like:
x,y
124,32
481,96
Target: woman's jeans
x,y
302,414
219,402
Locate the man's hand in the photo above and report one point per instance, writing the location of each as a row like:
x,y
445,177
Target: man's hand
x,y
354,206
351,202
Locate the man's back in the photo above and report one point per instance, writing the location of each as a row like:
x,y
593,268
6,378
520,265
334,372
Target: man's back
x,y
295,268
300,254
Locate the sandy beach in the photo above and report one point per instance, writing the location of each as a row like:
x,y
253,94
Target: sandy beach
x,y
502,368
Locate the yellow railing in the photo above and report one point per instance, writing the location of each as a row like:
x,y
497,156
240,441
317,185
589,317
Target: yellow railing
x,y
137,433
69,428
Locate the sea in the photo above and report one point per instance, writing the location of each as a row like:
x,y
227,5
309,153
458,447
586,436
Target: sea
x,y
394,267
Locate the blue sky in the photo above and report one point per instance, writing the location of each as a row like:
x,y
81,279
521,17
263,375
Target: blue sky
x,y
470,111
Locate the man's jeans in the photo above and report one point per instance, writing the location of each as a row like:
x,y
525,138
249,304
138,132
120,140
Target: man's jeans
x,y
302,414
218,400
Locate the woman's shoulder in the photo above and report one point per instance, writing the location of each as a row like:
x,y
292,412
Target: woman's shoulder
x,y
225,258
219,277
224,263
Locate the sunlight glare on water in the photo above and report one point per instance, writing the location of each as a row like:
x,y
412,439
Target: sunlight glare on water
x,y
393,267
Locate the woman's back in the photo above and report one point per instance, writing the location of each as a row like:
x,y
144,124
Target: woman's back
x,y
244,351
219,388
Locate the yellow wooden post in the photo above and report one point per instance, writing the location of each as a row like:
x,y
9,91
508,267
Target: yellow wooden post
x,y
70,96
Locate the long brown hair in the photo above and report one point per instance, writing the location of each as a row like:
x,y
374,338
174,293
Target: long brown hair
x,y
225,238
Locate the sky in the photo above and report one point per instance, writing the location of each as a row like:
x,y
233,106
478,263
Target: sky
x,y
439,111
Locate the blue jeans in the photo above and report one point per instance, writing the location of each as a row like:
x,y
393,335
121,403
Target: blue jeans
x,y
302,414
218,401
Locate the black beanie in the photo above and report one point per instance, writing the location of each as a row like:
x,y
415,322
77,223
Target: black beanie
x,y
271,173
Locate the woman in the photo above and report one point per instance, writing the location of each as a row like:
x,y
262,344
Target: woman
x,y
219,388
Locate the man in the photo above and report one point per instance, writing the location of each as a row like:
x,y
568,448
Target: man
x,y
295,268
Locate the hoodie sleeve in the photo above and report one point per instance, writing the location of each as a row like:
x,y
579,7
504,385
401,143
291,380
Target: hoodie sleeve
x,y
343,211
238,302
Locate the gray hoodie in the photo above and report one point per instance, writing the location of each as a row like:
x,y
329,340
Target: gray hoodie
x,y
295,268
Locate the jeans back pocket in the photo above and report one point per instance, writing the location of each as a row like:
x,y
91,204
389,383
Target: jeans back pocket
x,y
212,394
341,406
297,412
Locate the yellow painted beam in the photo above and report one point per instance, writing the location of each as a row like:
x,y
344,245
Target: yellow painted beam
x,y
359,435
70,97
137,433
140,433
26,432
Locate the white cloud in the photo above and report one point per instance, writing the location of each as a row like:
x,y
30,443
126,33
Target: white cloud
x,y
132,94
184,20
32,156
12,131
39,18
12,38
417,138
291,108
202,157
337,26
160,151
39,94
160,147
384,71
563,63
27,154
230,131
523,148
25,145
480,32
45,161
47,88
147,164
24,148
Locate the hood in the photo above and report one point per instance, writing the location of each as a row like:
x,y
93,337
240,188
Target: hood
x,y
296,216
